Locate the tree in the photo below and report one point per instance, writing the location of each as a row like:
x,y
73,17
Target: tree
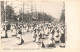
x,y
9,13
62,18
45,17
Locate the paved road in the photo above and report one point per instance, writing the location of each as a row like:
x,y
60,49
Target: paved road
x,y
28,41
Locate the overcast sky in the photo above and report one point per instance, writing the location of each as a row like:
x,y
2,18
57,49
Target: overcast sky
x,y
53,8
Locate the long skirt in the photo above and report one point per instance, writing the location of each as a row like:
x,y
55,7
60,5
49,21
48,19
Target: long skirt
x,y
62,39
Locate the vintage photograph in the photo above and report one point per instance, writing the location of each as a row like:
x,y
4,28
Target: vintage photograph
x,y
33,24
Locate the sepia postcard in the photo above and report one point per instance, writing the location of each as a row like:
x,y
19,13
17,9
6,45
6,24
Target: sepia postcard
x,y
39,25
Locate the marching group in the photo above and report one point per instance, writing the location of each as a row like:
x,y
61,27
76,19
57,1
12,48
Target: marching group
x,y
46,35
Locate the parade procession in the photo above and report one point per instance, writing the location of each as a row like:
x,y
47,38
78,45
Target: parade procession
x,y
31,28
